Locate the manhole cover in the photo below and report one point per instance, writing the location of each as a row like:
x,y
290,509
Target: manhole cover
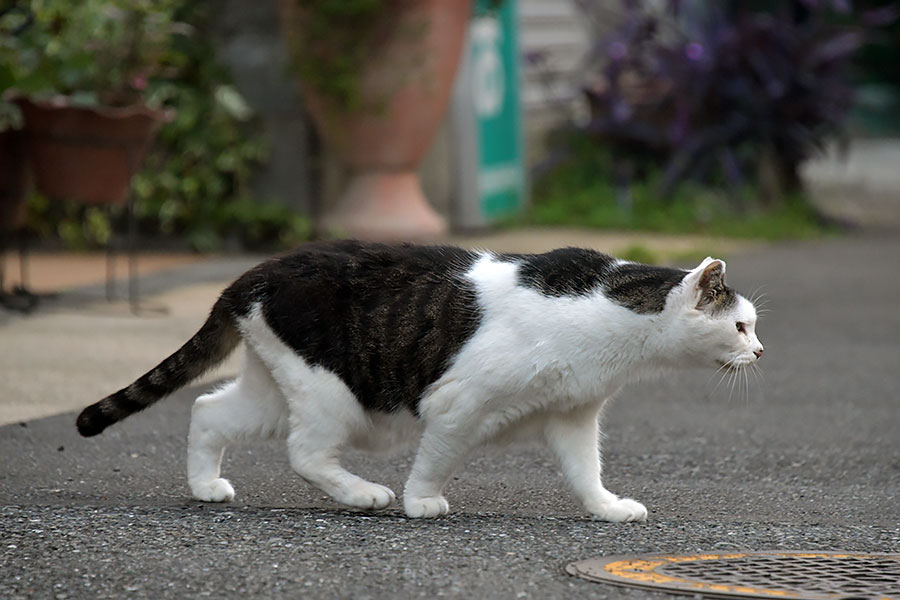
x,y
788,575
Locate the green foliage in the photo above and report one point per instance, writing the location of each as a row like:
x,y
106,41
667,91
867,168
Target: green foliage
x,y
330,40
13,21
79,227
582,192
330,45
196,182
94,51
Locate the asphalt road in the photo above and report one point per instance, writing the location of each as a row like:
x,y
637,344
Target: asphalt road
x,y
809,459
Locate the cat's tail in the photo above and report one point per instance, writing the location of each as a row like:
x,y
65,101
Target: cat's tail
x,y
211,345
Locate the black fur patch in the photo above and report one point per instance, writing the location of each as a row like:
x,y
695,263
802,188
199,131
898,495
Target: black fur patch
x,y
578,271
641,288
387,320
563,272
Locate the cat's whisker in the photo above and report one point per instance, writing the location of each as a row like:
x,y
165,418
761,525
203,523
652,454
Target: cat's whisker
x,y
721,379
760,294
754,370
734,377
759,299
758,377
716,372
746,377
724,369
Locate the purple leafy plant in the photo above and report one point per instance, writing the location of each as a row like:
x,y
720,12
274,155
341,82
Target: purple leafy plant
x,y
712,90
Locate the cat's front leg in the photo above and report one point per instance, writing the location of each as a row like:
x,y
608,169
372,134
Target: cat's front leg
x,y
574,438
446,442
439,454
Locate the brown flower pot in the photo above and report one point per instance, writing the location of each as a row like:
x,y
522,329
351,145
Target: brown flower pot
x,y
13,181
87,154
409,78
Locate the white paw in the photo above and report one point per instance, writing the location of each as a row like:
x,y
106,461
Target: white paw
x,y
425,508
217,490
621,510
366,495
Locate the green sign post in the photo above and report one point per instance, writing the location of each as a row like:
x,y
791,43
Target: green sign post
x,y
487,119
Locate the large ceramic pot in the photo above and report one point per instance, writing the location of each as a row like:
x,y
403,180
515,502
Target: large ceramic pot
x,y
87,154
409,78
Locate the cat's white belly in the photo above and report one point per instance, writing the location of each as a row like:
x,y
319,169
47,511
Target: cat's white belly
x,y
388,431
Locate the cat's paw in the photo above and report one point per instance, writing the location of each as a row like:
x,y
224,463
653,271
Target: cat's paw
x,y
367,496
621,510
425,507
217,490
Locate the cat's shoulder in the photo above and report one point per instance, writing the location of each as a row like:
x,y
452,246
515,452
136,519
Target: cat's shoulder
x,y
582,271
564,271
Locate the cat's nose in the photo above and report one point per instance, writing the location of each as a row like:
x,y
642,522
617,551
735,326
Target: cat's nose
x,y
758,353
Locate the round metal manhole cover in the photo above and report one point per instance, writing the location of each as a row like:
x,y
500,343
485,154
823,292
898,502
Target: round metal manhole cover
x,y
787,575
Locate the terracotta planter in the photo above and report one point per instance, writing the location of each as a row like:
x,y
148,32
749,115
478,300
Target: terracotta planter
x,y
13,181
87,154
409,80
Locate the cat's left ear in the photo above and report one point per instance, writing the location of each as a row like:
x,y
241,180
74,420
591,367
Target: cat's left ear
x,y
706,281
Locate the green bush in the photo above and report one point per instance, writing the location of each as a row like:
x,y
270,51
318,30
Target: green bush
x,y
93,51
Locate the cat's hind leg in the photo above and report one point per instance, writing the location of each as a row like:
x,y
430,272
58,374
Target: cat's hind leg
x,y
574,438
251,407
324,417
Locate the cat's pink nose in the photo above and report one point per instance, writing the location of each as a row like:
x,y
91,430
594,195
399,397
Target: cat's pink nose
x,y
758,353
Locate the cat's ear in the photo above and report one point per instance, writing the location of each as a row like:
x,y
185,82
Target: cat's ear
x,y
706,281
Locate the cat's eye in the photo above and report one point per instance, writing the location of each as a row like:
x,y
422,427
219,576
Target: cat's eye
x,y
742,327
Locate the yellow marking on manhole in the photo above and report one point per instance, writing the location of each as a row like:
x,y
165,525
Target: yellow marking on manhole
x,y
645,571
813,578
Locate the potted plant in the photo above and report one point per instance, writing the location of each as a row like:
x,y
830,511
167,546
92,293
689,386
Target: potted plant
x,y
81,73
376,76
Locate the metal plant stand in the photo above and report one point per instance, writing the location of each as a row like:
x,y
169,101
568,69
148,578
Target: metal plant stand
x,y
131,248
18,298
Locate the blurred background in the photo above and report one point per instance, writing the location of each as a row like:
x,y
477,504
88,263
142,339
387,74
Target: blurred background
x,y
254,126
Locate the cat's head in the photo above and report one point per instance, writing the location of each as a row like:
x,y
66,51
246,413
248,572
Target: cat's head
x,y
714,324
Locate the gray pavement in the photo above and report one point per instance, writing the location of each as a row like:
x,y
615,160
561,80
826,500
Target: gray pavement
x,y
809,459
859,185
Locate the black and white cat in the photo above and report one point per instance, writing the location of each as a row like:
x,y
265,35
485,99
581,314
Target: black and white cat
x,y
366,345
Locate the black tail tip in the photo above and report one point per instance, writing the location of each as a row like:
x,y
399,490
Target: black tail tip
x,y
92,421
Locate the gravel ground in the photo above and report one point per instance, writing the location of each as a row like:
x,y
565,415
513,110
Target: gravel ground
x,y
808,459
